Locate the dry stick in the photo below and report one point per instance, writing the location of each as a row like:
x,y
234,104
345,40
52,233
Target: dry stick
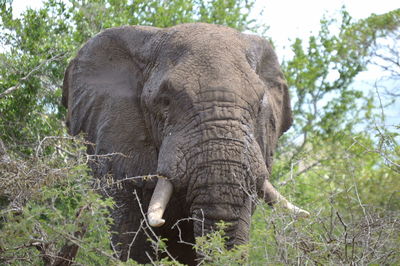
x,y
375,150
17,86
69,251
345,235
378,152
365,216
134,238
380,100
180,231
181,241
150,229
70,154
302,171
77,241
113,247
378,241
4,157
39,147
132,178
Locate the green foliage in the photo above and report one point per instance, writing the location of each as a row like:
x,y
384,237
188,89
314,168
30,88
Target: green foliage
x,y
57,208
91,17
354,203
328,238
320,74
341,163
34,59
327,108
50,209
337,162
212,248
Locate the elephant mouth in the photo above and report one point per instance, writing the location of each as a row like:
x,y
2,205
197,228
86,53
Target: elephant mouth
x,y
164,189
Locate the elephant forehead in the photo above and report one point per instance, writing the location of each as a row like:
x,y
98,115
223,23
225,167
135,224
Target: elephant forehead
x,y
210,63
202,41
218,81
222,87
200,34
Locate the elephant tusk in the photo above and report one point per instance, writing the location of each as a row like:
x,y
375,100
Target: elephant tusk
x,y
272,196
161,195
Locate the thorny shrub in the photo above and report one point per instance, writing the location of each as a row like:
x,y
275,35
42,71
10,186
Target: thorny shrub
x,y
51,213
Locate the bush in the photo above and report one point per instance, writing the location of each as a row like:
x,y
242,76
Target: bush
x,y
51,214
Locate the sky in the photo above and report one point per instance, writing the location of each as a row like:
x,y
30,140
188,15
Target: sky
x,y
293,18
289,19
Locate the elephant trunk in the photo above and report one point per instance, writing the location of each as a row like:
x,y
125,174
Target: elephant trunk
x,y
221,188
236,220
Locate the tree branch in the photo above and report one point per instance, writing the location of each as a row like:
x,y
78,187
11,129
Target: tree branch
x,y
69,251
18,85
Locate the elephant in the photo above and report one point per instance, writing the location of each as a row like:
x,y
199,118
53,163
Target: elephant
x,y
185,120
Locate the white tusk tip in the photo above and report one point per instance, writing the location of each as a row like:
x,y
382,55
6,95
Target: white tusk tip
x,y
155,222
303,214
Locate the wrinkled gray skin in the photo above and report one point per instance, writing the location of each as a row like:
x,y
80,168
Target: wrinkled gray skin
x,y
200,104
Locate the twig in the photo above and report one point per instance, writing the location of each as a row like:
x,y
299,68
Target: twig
x,y
154,235
377,152
41,142
134,238
77,241
180,231
67,152
69,251
302,171
17,86
345,235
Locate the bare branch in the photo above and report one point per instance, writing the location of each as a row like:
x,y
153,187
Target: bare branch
x,y
378,152
69,251
153,234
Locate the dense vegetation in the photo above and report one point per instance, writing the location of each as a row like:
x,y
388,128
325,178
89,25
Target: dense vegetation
x,y
340,160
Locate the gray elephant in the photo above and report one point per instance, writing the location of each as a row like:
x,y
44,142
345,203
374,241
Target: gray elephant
x,y
202,107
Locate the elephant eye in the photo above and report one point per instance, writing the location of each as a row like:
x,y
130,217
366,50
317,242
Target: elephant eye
x,y
161,101
165,101
161,107
164,93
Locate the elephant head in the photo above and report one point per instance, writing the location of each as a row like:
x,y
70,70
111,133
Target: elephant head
x,y
200,105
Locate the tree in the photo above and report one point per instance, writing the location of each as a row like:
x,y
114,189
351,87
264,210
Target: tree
x,y
320,76
337,161
50,211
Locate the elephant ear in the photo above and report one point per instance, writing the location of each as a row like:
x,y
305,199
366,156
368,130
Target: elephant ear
x,y
275,114
102,88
